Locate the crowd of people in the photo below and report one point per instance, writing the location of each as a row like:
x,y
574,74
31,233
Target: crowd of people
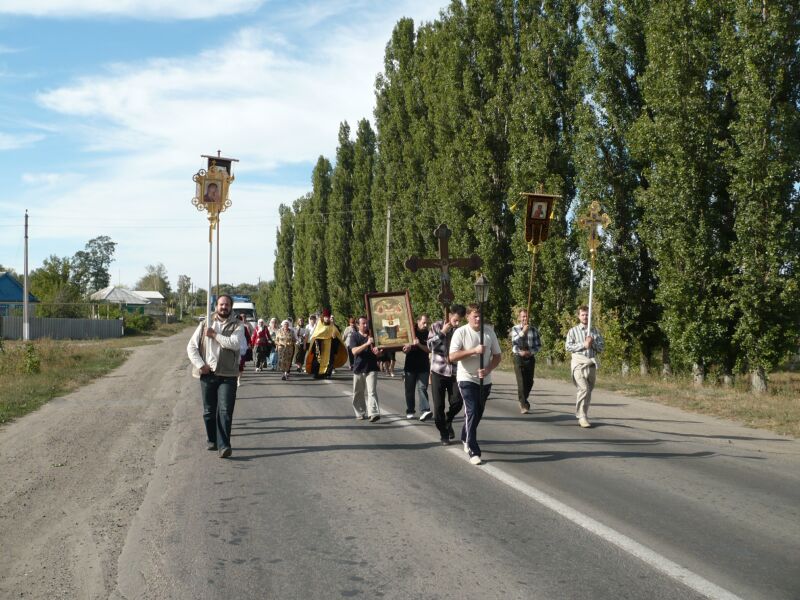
x,y
452,360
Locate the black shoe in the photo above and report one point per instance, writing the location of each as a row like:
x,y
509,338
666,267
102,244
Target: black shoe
x,y
225,452
450,433
374,418
211,446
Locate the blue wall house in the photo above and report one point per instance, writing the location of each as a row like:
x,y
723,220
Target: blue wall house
x,y
11,295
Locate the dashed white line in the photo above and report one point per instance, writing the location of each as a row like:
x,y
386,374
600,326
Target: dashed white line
x,y
623,542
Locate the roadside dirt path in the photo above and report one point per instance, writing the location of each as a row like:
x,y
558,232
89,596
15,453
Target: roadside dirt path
x,y
75,472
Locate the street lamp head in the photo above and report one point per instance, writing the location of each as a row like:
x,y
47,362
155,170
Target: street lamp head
x,y
481,289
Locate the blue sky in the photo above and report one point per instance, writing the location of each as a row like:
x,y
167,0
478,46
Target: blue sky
x,y
106,107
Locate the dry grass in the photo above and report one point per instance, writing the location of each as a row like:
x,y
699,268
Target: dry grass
x,y
778,410
32,374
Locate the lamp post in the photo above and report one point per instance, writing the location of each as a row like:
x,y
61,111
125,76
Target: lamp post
x,y
481,297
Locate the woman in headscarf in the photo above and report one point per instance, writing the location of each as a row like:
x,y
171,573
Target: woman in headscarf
x,y
285,348
261,342
273,328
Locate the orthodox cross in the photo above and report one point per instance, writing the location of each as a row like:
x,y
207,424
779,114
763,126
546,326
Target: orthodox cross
x,y
444,263
590,221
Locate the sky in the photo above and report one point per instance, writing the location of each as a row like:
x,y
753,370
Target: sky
x,y
107,106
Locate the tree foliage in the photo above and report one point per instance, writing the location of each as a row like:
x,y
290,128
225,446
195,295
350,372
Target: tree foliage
x,y
681,119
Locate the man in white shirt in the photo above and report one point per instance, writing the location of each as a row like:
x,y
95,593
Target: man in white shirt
x,y
466,349
214,352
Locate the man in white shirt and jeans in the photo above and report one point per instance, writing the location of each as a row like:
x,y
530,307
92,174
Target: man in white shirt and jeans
x,y
214,353
466,349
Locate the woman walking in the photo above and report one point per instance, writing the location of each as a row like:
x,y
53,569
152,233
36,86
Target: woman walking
x,y
261,343
285,342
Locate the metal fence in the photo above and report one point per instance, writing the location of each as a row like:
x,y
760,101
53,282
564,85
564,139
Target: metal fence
x,y
62,329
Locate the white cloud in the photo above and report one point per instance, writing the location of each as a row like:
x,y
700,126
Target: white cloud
x,y
14,141
265,98
136,9
49,180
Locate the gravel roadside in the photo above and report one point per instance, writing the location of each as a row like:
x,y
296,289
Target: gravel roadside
x,y
74,474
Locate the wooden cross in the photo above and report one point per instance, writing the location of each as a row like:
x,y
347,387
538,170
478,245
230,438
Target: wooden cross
x,y
443,263
590,222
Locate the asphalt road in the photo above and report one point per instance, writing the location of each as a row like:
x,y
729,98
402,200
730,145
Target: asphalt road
x,y
651,503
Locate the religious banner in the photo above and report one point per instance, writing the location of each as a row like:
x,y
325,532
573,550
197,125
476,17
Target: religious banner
x,y
538,213
212,187
391,322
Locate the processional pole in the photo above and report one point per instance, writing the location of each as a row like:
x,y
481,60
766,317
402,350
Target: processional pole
x,y
211,195
539,209
590,221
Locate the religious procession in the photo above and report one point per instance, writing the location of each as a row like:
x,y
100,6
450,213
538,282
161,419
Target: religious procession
x,y
452,357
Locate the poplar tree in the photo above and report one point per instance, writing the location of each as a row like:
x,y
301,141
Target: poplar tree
x,y
316,224
282,300
541,131
302,300
400,178
361,272
611,67
339,233
686,209
761,46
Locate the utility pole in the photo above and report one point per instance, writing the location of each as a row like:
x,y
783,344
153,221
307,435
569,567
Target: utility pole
x,y
26,326
388,236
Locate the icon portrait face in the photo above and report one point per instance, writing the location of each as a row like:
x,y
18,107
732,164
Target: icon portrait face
x,y
212,193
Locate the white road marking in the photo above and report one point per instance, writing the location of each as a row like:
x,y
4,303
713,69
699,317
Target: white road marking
x,y
623,542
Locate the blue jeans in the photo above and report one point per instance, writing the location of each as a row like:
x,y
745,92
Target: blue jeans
x,y
474,404
416,383
219,398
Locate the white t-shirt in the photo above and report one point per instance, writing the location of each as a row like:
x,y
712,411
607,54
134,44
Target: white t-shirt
x,y
464,338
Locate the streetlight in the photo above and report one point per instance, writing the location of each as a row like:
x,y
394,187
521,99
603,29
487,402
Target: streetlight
x,y
481,297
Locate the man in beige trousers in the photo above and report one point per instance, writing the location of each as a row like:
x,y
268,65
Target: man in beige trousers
x,y
584,345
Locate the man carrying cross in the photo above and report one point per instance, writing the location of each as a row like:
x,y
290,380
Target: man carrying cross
x,y
442,371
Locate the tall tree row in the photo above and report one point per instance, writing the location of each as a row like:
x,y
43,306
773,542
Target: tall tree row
x,y
680,118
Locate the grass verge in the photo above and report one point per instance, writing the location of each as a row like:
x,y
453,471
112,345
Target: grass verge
x,y
32,373
778,410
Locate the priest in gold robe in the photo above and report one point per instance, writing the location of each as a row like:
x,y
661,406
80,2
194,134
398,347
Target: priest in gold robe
x,y
326,350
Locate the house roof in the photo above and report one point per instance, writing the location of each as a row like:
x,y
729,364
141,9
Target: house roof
x,y
12,290
149,295
115,295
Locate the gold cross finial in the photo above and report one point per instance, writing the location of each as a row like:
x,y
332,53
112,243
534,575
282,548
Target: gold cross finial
x,y
590,221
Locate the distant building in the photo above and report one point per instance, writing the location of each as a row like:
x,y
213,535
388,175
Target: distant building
x,y
12,294
157,305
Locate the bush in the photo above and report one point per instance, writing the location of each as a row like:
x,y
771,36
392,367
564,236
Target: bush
x,y
138,323
32,362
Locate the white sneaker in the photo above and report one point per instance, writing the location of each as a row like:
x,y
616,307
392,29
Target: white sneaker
x,y
425,415
409,415
475,460
584,422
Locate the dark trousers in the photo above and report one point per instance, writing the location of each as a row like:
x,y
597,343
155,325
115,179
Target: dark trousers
x,y
523,369
474,403
442,386
261,356
416,383
219,398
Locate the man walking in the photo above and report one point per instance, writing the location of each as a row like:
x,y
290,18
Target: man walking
x,y
466,348
365,372
584,345
417,369
525,343
214,352
443,373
